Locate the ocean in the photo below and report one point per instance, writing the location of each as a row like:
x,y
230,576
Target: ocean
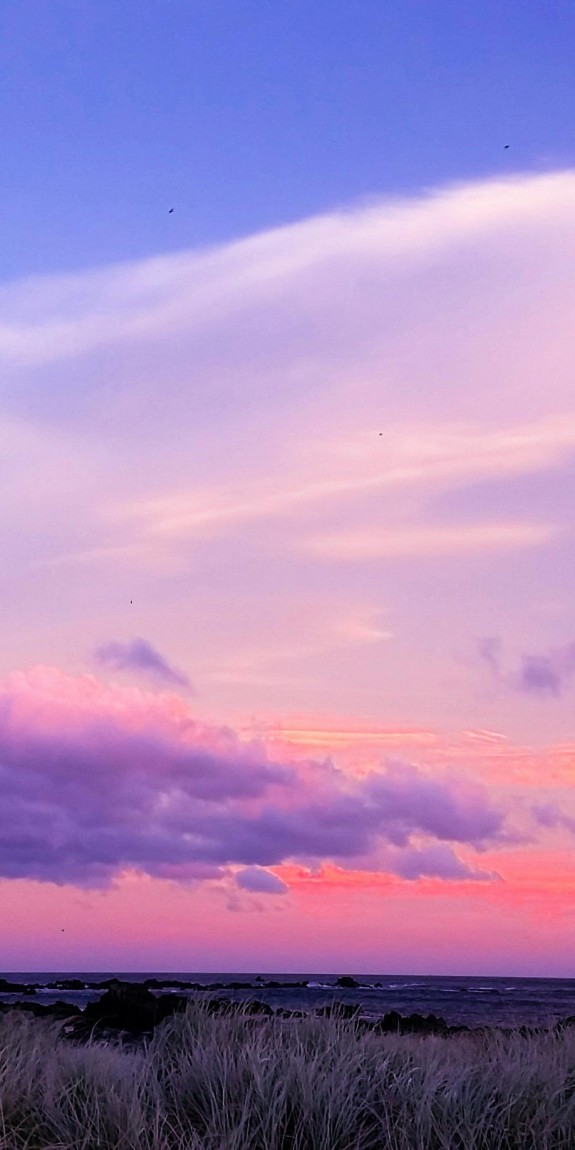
x,y
476,1001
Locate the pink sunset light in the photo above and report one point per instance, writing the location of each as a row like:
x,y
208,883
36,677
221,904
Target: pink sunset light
x,y
288,649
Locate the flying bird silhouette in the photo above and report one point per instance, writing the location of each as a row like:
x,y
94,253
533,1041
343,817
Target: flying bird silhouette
x,y
170,210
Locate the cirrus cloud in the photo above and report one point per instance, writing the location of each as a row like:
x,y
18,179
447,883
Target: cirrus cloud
x,y
352,402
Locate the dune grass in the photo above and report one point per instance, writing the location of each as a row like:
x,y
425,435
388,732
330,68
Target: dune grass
x,y
232,1082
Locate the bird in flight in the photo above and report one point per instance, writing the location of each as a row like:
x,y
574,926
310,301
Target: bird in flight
x,y
505,146
170,211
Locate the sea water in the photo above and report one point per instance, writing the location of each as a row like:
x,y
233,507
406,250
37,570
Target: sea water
x,y
470,1001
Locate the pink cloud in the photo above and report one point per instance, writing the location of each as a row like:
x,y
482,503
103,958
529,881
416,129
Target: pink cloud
x,y
97,780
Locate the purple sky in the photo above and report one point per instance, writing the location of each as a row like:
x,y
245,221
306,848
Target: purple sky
x,y
286,516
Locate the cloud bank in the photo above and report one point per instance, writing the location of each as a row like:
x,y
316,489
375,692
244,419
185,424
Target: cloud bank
x,y
98,780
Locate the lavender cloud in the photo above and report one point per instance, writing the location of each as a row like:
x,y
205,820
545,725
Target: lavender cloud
x,y
458,813
259,880
139,655
96,780
548,815
545,673
438,861
489,650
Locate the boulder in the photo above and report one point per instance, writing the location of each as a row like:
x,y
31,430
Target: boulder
x,y
255,1007
66,984
132,1007
394,1023
55,1010
344,1010
7,987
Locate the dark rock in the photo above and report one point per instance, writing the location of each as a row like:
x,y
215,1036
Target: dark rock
x,y
257,1008
344,1010
563,1022
7,987
56,1010
176,983
347,983
132,1007
392,1022
66,984
228,1006
220,1005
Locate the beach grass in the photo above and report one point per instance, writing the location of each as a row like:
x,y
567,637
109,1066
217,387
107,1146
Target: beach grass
x,y
234,1082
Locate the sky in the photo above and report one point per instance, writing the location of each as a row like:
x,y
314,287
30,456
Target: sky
x,y
287,453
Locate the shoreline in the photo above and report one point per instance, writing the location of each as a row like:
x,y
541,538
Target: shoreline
x,y
137,1008
451,1002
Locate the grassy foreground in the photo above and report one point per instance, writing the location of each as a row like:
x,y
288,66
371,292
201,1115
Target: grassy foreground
x,y
206,1082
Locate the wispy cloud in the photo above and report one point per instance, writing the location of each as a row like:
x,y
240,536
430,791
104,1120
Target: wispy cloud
x,y
45,320
139,655
546,674
548,815
405,457
312,422
469,539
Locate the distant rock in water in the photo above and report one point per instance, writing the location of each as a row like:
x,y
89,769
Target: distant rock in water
x,y
66,984
7,987
347,983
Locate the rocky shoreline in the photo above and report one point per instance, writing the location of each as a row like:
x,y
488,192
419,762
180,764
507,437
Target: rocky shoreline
x,y
133,1010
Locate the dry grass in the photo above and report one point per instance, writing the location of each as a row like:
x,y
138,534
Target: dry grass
x,y
229,1082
